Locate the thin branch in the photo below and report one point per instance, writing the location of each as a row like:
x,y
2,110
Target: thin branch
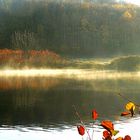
x,y
127,99
79,117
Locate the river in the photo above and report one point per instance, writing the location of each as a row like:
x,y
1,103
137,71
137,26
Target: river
x,y
38,104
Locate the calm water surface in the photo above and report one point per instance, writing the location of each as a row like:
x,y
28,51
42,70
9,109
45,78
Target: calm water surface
x,y
40,107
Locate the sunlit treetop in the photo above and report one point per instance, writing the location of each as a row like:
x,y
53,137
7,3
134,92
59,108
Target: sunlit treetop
x,y
127,15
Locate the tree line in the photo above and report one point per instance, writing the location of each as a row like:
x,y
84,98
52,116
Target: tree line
x,y
85,28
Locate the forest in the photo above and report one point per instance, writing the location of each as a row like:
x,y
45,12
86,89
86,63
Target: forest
x,y
71,28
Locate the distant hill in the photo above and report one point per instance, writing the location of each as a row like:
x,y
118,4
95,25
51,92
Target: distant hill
x,y
124,63
127,63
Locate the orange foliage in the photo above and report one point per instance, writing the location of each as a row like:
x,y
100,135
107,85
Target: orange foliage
x,y
107,125
31,57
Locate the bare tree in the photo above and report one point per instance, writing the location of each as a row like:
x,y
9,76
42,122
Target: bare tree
x,y
24,40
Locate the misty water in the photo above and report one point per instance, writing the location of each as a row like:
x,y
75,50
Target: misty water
x,y
39,106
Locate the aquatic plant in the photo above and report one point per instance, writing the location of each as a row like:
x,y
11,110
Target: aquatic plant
x,y
110,132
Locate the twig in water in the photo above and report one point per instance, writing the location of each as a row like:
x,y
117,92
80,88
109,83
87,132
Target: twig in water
x,y
127,99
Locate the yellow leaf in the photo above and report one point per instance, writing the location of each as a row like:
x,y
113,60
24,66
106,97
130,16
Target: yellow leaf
x,y
130,106
114,132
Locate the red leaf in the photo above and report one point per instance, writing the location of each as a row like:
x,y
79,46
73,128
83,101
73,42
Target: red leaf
x,y
127,137
106,134
125,113
81,130
94,114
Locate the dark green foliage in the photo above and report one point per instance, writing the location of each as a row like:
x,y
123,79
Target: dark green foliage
x,y
72,29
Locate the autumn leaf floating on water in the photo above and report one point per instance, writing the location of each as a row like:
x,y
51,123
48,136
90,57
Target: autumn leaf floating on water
x,y
130,107
81,130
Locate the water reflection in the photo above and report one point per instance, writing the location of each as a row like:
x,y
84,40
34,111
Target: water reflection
x,y
49,100
126,126
30,104
9,83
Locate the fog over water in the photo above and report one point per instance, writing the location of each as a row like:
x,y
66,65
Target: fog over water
x,y
37,103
